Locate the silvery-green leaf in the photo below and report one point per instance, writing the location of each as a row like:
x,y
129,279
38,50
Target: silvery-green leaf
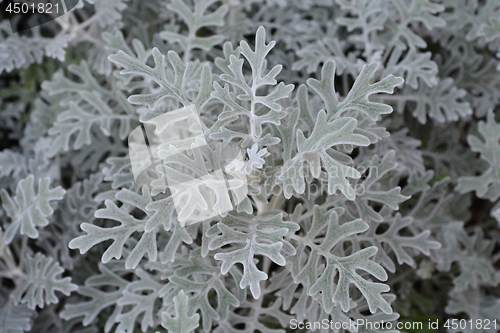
x,y
71,90
320,278
223,63
255,160
472,72
399,243
357,98
139,297
196,20
258,318
20,52
55,48
443,102
370,17
128,226
369,191
486,185
80,119
412,67
260,109
77,206
10,163
478,306
249,236
410,11
181,323
472,253
476,19
171,78
190,277
30,207
119,171
315,151
15,318
200,189
41,281
158,74
322,50
99,299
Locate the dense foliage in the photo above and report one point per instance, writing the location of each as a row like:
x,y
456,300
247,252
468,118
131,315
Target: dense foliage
x,y
369,132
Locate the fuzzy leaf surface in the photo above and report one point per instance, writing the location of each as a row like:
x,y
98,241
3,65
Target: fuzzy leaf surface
x,y
30,207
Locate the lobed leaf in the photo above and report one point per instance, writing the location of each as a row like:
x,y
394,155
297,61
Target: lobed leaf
x,y
41,282
181,323
30,207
